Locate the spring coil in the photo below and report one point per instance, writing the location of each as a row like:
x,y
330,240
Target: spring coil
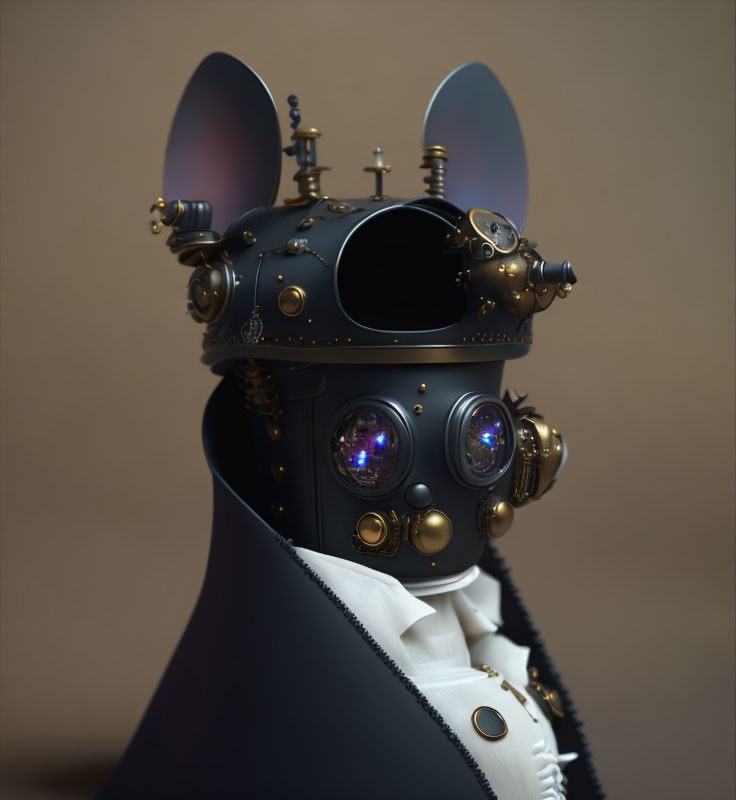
x,y
259,389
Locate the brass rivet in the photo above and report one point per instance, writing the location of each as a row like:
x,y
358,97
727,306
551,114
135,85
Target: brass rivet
x,y
417,409
422,387
349,339
432,534
372,528
291,367
249,237
275,433
309,320
280,278
396,341
292,300
432,563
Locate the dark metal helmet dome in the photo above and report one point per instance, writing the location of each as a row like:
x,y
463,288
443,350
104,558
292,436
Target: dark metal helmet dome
x,y
337,315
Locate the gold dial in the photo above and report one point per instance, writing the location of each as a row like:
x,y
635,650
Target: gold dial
x,y
494,229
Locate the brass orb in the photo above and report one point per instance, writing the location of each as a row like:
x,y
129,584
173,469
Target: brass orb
x,y
502,518
292,300
372,528
432,534
555,703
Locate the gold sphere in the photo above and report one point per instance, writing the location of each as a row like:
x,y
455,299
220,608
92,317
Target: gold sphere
x,y
432,534
502,518
371,528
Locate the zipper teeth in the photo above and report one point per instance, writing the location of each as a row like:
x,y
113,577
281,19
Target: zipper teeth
x,y
391,664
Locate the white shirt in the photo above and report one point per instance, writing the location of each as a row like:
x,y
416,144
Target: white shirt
x,y
439,642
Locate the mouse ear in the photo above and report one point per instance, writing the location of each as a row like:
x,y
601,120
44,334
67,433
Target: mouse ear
x,y
471,115
225,144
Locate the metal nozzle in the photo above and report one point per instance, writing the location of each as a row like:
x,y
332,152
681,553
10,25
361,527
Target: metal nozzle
x,y
551,272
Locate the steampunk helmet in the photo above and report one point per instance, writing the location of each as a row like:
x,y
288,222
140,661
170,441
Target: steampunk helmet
x,y
362,341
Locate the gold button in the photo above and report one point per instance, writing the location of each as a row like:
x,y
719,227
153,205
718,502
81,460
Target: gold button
x,y
292,300
372,528
433,533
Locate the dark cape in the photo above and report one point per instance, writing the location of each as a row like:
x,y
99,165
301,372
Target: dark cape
x,y
277,691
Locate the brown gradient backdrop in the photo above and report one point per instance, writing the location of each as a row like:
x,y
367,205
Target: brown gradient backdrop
x,y
627,110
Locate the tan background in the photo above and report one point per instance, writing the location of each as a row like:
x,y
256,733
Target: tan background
x,y
628,113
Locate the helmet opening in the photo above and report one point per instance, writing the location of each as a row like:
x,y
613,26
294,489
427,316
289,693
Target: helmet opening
x,y
396,273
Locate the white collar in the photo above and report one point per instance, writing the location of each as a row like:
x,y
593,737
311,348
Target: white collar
x,y
447,583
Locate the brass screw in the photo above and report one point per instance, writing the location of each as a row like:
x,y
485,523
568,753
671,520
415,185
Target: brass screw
x,y
417,409
564,290
306,223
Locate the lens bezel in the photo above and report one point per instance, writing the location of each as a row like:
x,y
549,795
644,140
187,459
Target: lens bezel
x,y
456,432
406,446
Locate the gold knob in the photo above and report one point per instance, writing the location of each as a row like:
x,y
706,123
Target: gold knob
x,y
372,528
432,534
502,518
292,300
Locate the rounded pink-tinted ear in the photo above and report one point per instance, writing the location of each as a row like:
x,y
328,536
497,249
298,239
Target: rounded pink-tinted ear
x,y
225,144
471,115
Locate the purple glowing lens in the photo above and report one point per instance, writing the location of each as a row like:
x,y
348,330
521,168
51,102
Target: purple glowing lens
x,y
365,448
486,442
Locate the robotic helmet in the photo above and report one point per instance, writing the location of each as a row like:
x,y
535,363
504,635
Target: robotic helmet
x,y
362,341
